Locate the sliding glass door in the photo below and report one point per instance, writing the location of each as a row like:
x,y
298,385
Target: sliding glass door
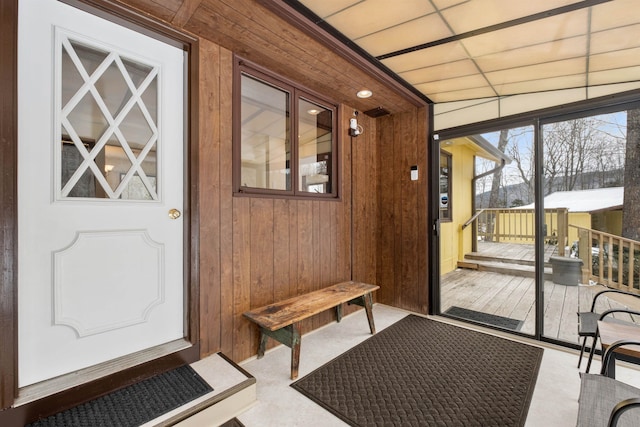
x,y
487,228
535,219
591,191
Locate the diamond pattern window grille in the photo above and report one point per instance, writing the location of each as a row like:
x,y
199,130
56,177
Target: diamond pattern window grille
x,y
108,105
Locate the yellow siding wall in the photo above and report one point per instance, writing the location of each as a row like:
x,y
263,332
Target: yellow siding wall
x,y
448,248
522,224
454,243
609,222
579,219
614,222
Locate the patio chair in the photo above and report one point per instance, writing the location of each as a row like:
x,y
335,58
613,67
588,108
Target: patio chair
x,y
588,323
605,401
603,316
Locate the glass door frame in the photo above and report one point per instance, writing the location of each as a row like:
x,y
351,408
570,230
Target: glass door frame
x,y
537,119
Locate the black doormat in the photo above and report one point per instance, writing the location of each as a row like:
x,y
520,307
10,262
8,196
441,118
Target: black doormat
x,y
135,404
420,372
488,319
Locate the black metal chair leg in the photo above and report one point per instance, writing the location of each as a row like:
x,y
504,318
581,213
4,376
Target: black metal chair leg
x,y
593,350
584,343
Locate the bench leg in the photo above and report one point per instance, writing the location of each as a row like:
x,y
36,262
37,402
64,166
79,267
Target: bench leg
x,y
339,312
368,307
295,350
366,301
263,343
289,336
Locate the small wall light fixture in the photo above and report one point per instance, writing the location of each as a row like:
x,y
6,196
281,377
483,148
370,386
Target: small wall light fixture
x,y
354,128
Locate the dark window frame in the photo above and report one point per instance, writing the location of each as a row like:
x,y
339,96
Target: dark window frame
x,y
296,93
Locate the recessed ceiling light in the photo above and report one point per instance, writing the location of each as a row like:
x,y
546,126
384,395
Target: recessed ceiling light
x,y
313,111
364,93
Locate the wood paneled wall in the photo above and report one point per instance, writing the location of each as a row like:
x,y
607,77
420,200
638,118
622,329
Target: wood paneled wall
x,y
254,251
402,249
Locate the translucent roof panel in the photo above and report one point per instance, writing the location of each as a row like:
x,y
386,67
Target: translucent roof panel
x,y
456,50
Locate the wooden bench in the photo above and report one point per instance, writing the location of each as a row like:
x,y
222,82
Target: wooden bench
x,y
281,320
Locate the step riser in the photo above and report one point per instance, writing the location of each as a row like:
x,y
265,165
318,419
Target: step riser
x,y
222,411
502,270
234,391
477,257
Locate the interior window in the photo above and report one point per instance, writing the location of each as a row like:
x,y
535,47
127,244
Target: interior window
x,y
265,138
285,138
315,146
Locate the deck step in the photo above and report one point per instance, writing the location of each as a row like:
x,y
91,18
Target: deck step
x,y
503,267
480,257
234,391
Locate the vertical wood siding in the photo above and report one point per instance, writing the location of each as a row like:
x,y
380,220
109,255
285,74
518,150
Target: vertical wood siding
x,y
254,251
402,211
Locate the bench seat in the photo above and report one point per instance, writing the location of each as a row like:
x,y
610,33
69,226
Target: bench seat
x,y
280,320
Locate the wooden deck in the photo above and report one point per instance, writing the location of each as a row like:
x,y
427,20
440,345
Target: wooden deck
x,y
513,296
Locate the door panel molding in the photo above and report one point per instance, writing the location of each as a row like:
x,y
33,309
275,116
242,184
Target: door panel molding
x,y
97,307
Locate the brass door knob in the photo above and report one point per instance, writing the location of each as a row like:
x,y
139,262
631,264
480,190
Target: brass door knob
x,y
174,214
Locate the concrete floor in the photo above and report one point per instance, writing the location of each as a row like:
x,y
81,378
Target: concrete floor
x,y
554,403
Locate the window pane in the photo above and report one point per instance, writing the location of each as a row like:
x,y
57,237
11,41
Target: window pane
x,y
315,141
591,180
487,247
103,129
265,147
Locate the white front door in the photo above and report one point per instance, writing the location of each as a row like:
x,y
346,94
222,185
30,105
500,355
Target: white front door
x,y
100,184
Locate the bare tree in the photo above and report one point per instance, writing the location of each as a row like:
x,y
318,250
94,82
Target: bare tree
x,y
631,207
569,151
609,163
497,176
523,159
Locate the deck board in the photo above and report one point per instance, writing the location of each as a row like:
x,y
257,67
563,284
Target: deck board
x,y
514,296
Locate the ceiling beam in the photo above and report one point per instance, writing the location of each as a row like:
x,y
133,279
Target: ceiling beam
x,y
500,26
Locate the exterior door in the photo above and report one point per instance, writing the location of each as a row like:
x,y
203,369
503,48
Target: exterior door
x,y
488,233
100,184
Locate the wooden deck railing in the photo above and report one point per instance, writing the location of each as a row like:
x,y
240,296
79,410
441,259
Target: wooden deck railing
x,y
609,259
518,226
